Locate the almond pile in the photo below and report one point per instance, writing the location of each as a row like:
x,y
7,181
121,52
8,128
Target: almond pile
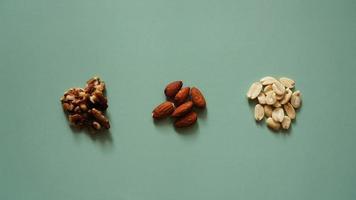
x,y
180,103
86,107
276,100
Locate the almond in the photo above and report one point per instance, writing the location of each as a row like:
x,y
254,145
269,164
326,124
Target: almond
x,y
273,124
268,80
254,90
182,109
259,112
287,82
163,110
182,95
278,114
278,88
197,98
289,110
186,120
172,88
286,122
268,110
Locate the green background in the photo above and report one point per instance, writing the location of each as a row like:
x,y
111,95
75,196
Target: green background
x,y
137,47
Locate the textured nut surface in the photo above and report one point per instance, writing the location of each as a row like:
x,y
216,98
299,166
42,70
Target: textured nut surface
x,y
183,109
289,110
197,97
273,124
277,104
182,95
295,100
259,112
268,110
271,98
163,110
172,88
268,80
261,98
286,122
278,114
287,82
254,90
286,97
278,88
187,120
267,89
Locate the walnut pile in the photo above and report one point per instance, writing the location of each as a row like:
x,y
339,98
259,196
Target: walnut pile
x,y
86,107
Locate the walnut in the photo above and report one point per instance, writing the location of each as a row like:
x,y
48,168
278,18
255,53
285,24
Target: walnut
x,y
86,107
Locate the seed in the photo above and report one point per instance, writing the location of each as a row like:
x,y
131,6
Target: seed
x,y
286,122
287,82
267,80
271,98
279,97
267,89
262,98
278,114
289,110
286,97
277,104
255,90
295,100
273,124
259,112
268,110
278,88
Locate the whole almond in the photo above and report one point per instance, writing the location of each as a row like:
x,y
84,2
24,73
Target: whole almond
x,y
286,122
187,120
273,124
163,110
287,82
183,109
271,98
259,112
268,110
278,88
268,80
182,95
278,114
261,98
172,88
295,100
286,97
197,98
289,110
254,90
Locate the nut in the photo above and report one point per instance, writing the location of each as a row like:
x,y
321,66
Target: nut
x,y
278,114
181,95
254,90
197,98
259,112
183,109
286,122
271,98
163,110
79,104
268,80
289,110
286,97
278,88
172,88
273,124
268,110
295,100
187,120
261,98
287,82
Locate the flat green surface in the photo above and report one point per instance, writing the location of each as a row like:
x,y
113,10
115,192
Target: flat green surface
x,y
137,47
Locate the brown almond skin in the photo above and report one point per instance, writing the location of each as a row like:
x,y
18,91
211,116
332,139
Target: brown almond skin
x,y
182,95
163,110
197,98
187,120
172,88
183,109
